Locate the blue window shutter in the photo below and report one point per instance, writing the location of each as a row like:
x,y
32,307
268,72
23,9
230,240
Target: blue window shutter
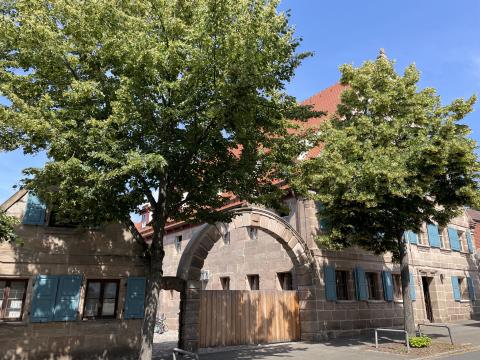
x,y
469,241
330,283
433,237
68,297
135,298
456,288
35,211
387,285
413,294
43,298
471,289
411,237
361,284
454,240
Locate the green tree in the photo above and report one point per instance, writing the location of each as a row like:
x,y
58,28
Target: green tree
x,y
169,102
394,157
7,228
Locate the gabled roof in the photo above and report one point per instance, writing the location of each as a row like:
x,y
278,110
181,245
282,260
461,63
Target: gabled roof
x,y
13,199
327,101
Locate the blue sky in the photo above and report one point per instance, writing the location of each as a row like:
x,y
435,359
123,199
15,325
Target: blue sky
x,y
440,36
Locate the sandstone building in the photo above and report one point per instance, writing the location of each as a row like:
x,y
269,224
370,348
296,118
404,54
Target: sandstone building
x,y
61,293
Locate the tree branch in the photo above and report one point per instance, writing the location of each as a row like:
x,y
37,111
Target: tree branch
x,y
135,233
69,67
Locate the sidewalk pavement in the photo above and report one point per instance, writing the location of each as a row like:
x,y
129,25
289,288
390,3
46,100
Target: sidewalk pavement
x,y
340,349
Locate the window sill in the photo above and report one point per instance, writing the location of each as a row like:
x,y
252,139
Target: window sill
x,y
422,247
344,301
398,301
445,250
464,301
375,301
12,323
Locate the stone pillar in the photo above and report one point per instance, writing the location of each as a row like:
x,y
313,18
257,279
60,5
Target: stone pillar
x,y
190,321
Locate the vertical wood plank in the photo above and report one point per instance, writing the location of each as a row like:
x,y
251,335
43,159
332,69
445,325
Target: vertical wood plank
x,y
297,318
253,317
202,318
248,317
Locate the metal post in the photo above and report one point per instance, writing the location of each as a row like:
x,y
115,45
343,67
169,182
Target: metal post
x,y
450,334
376,339
437,325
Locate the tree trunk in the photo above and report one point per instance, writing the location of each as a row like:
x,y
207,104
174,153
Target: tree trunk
x,y
154,278
409,319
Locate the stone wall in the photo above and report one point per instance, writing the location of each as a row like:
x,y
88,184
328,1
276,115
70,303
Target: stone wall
x,y
320,318
109,252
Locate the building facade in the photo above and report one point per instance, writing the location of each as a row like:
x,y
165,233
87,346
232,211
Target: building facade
x,y
74,292
66,291
349,291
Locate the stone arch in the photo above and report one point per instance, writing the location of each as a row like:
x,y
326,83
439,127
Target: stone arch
x,y
197,250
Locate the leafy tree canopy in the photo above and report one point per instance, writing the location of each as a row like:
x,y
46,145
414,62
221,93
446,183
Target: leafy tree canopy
x,y
7,228
394,157
127,97
173,102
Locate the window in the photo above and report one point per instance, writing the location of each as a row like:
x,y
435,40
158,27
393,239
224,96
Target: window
x,y
342,284
443,238
144,220
423,237
178,243
253,282
397,286
463,240
101,299
204,276
226,238
253,233
463,286
285,280
225,282
372,285
12,298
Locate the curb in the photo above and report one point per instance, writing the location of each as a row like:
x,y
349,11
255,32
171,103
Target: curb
x,y
453,352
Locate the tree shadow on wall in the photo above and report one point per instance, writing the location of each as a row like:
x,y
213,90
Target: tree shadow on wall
x,y
106,252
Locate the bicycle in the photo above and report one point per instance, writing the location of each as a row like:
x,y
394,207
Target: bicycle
x,y
161,324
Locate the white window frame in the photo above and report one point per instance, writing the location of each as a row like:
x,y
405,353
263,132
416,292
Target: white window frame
x,y
444,243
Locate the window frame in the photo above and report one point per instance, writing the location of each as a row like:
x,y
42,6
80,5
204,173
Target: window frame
x,y
178,243
252,233
397,285
250,277
3,304
423,236
101,299
462,239
444,240
225,282
463,287
371,279
285,276
346,275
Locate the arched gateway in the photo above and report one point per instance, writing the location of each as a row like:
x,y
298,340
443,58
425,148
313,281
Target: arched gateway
x,y
197,250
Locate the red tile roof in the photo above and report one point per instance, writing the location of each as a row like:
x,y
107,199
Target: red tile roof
x,y
327,101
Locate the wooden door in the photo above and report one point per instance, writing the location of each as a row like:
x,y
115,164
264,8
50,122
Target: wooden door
x,y
237,317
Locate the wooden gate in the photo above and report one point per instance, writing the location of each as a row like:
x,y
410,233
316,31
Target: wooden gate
x,y
237,317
